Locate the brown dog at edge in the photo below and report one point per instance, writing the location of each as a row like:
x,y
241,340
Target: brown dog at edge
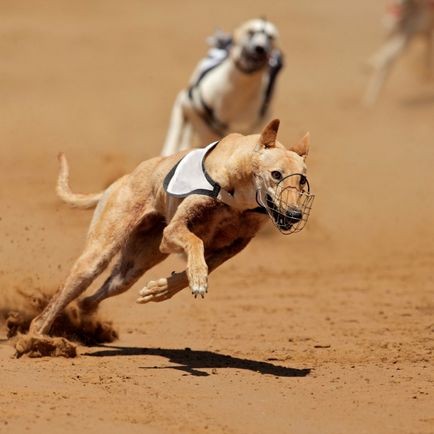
x,y
136,218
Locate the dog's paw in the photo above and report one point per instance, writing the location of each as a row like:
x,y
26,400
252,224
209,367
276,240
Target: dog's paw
x,y
199,284
155,290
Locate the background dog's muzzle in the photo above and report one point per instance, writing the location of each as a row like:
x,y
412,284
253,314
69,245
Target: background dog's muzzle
x,y
288,215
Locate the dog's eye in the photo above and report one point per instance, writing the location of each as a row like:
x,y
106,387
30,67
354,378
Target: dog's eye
x,y
302,180
276,175
250,33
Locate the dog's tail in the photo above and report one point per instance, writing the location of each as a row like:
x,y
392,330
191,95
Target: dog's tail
x,y
76,200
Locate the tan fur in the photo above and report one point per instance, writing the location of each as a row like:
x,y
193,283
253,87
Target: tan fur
x,y
63,190
137,219
268,138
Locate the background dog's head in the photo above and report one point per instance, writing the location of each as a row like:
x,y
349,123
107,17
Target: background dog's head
x,y
253,43
282,186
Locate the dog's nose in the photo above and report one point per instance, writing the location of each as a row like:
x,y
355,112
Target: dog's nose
x,y
259,49
294,214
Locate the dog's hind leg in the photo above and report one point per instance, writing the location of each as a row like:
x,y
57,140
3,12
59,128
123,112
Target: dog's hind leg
x,y
91,263
104,240
163,289
139,255
176,127
88,266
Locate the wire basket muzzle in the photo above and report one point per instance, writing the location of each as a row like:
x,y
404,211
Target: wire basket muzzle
x,y
288,206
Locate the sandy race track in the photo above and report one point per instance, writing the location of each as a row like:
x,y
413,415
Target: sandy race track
x,y
327,331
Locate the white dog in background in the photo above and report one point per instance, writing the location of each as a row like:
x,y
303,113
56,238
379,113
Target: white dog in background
x,y
230,90
404,20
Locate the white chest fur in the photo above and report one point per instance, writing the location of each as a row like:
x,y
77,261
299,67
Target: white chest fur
x,y
235,97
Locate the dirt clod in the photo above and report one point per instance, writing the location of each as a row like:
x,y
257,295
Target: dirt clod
x,y
71,325
35,346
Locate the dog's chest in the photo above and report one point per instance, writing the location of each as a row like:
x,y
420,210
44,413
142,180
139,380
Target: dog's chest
x,y
236,101
223,226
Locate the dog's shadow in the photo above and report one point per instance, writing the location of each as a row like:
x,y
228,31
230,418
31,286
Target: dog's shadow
x,y
191,361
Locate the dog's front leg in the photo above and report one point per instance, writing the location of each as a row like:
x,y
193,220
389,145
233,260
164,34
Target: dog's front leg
x,y
163,289
176,127
178,238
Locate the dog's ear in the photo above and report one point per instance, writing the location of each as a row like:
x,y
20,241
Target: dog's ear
x,y
302,147
269,134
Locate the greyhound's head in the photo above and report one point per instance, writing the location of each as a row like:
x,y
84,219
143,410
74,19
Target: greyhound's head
x,y
253,43
282,187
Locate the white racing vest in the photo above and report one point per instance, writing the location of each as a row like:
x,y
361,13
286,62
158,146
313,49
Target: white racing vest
x,y
189,176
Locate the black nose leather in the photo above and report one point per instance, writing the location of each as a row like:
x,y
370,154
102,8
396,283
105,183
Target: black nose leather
x,y
295,215
259,49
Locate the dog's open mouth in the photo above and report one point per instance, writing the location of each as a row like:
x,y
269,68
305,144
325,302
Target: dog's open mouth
x,y
286,219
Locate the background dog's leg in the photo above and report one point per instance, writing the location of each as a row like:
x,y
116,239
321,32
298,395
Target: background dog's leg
x,y
382,63
176,127
187,137
163,289
140,254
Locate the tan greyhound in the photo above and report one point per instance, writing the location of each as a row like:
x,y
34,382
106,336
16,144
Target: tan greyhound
x,y
250,178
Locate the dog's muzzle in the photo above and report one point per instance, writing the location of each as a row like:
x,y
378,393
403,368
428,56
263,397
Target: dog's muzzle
x,y
287,216
255,57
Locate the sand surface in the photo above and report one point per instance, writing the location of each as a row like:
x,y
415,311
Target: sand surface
x,y
328,331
